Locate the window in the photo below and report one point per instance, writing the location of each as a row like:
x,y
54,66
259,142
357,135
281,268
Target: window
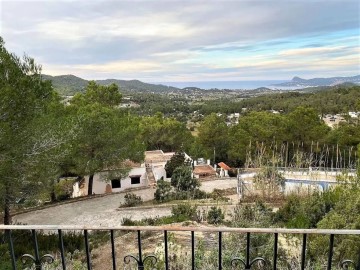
x,y
115,183
135,179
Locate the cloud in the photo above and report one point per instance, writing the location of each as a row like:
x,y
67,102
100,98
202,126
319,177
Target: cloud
x,y
210,40
311,51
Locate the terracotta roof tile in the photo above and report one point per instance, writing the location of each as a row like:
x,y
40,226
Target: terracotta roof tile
x,y
224,166
204,170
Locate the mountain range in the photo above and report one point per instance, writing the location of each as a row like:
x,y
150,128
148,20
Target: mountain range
x,y
299,82
70,84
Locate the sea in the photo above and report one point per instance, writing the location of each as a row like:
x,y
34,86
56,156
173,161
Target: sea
x,y
233,85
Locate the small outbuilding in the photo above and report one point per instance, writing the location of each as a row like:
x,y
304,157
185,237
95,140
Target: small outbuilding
x,y
224,169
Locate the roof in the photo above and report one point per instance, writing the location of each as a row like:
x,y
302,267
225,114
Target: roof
x,y
224,166
157,156
204,170
131,164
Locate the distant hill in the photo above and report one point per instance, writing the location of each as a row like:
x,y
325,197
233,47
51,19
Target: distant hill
x,y
67,84
70,85
136,85
299,82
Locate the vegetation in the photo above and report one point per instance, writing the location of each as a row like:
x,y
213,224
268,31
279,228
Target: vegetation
x,y
24,102
182,187
47,242
132,199
168,134
270,181
215,216
163,191
177,160
64,189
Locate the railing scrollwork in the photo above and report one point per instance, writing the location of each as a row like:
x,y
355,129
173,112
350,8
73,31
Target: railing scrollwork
x,y
346,264
47,258
236,261
141,263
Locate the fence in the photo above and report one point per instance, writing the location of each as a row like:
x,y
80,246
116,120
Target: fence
x,y
246,263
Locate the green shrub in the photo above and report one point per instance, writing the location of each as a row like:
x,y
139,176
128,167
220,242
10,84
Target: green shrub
x,y
184,212
129,222
163,191
215,215
132,199
64,189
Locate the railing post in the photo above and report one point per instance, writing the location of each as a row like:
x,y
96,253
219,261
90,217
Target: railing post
x,y
61,244
303,252
275,250
220,250
192,250
11,249
113,254
36,250
247,262
87,249
331,249
140,262
166,251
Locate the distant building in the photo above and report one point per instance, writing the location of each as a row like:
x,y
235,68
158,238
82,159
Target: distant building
x,y
224,169
333,120
204,170
354,114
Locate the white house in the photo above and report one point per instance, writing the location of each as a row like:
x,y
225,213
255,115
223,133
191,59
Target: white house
x,y
140,175
109,182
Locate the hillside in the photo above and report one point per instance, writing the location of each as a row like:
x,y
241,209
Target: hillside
x,y
70,84
67,84
299,82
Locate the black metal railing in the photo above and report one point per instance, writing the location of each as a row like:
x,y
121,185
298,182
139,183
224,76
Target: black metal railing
x,y
38,260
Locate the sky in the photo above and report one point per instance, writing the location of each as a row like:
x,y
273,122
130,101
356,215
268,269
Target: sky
x,y
180,41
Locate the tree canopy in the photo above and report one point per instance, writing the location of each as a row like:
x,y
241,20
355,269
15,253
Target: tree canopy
x,y
24,99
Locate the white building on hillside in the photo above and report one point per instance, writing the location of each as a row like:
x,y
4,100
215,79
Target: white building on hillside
x,y
140,175
109,181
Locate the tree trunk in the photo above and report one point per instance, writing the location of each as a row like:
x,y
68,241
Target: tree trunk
x,y
7,215
90,185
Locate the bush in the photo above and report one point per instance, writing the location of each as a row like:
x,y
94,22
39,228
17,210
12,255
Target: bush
x,y
129,222
218,195
132,199
184,211
215,215
64,189
182,179
188,195
163,191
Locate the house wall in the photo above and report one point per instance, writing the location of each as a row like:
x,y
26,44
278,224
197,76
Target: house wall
x,y
159,172
102,185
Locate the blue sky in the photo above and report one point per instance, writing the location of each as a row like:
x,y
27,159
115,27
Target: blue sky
x,y
186,40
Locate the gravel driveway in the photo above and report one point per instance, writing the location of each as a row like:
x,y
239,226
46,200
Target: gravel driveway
x,y
104,211
97,211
